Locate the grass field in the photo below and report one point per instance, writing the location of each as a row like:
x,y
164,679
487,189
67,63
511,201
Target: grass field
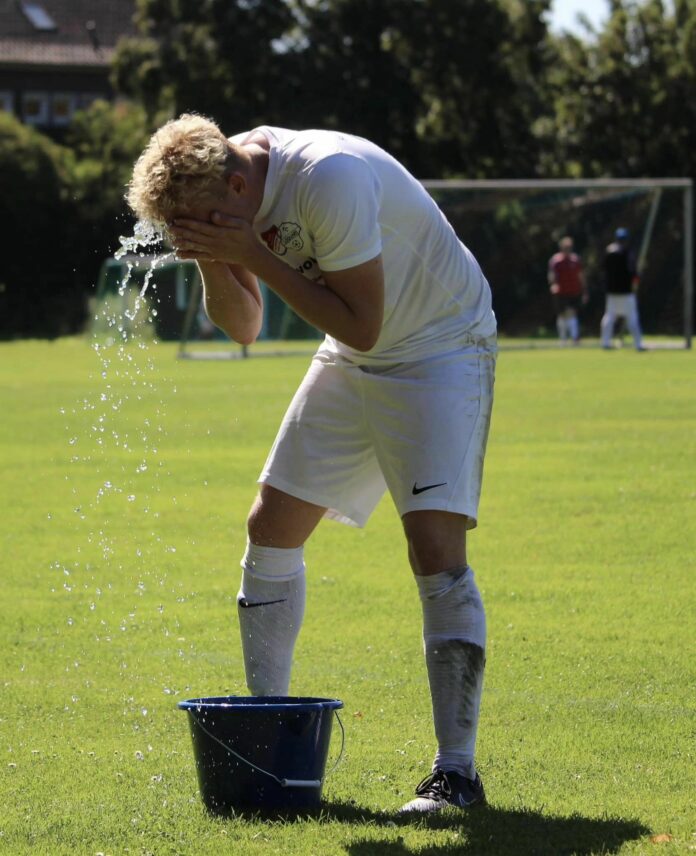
x,y
123,506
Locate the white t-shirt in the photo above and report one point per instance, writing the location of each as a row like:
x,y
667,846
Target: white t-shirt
x,y
333,201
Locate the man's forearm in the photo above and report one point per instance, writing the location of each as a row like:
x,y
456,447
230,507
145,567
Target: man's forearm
x,y
311,300
230,302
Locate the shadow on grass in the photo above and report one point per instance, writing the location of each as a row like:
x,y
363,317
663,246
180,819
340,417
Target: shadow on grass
x,y
484,831
494,831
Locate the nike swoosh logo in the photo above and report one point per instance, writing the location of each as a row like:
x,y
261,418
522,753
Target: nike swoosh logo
x,y
416,490
245,604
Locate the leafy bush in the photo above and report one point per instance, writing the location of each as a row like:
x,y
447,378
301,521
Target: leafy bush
x,y
38,287
61,212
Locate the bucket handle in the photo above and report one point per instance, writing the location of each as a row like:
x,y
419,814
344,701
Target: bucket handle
x,y
284,783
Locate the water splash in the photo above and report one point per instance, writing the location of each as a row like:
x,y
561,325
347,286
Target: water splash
x,y
145,234
119,452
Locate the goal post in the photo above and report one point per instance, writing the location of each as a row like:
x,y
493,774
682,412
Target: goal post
x,y
688,263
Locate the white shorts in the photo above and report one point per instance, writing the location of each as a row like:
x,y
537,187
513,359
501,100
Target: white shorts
x,y
622,304
418,429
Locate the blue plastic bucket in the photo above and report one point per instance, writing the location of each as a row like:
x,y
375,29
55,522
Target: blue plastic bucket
x,y
260,752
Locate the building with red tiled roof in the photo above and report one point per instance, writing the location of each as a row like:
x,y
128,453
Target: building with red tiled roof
x,y
55,56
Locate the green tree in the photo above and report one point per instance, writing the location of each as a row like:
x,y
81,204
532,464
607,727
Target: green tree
x,y
235,61
448,86
106,139
624,99
478,67
354,77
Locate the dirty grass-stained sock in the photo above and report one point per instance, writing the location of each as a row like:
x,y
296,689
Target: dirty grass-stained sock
x,y
454,637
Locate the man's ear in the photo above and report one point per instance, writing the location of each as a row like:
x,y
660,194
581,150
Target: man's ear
x,y
236,183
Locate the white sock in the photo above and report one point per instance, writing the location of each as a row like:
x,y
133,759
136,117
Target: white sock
x,y
574,328
634,327
607,328
562,327
454,636
270,605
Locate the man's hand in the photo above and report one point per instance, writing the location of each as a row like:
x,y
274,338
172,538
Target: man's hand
x,y
225,239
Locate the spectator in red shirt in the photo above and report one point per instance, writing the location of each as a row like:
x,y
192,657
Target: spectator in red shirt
x,y
567,286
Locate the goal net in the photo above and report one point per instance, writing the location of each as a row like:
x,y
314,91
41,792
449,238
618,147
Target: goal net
x,y
513,228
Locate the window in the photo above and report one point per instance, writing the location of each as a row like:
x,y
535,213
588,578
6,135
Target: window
x,y
63,105
6,100
35,108
38,16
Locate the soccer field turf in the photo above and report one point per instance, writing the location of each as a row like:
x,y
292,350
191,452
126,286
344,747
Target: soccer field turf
x,y
123,507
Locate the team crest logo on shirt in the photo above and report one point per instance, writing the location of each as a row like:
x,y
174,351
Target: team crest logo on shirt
x,y
287,236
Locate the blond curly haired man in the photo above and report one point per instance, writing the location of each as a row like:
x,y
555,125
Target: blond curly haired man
x,y
398,396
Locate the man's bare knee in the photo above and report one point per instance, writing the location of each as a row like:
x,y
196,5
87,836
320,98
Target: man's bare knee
x,y
436,540
277,519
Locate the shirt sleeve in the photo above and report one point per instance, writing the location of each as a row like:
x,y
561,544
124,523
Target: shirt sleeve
x,y
343,212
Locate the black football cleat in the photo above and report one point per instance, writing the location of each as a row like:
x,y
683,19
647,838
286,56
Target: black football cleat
x,y
442,790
